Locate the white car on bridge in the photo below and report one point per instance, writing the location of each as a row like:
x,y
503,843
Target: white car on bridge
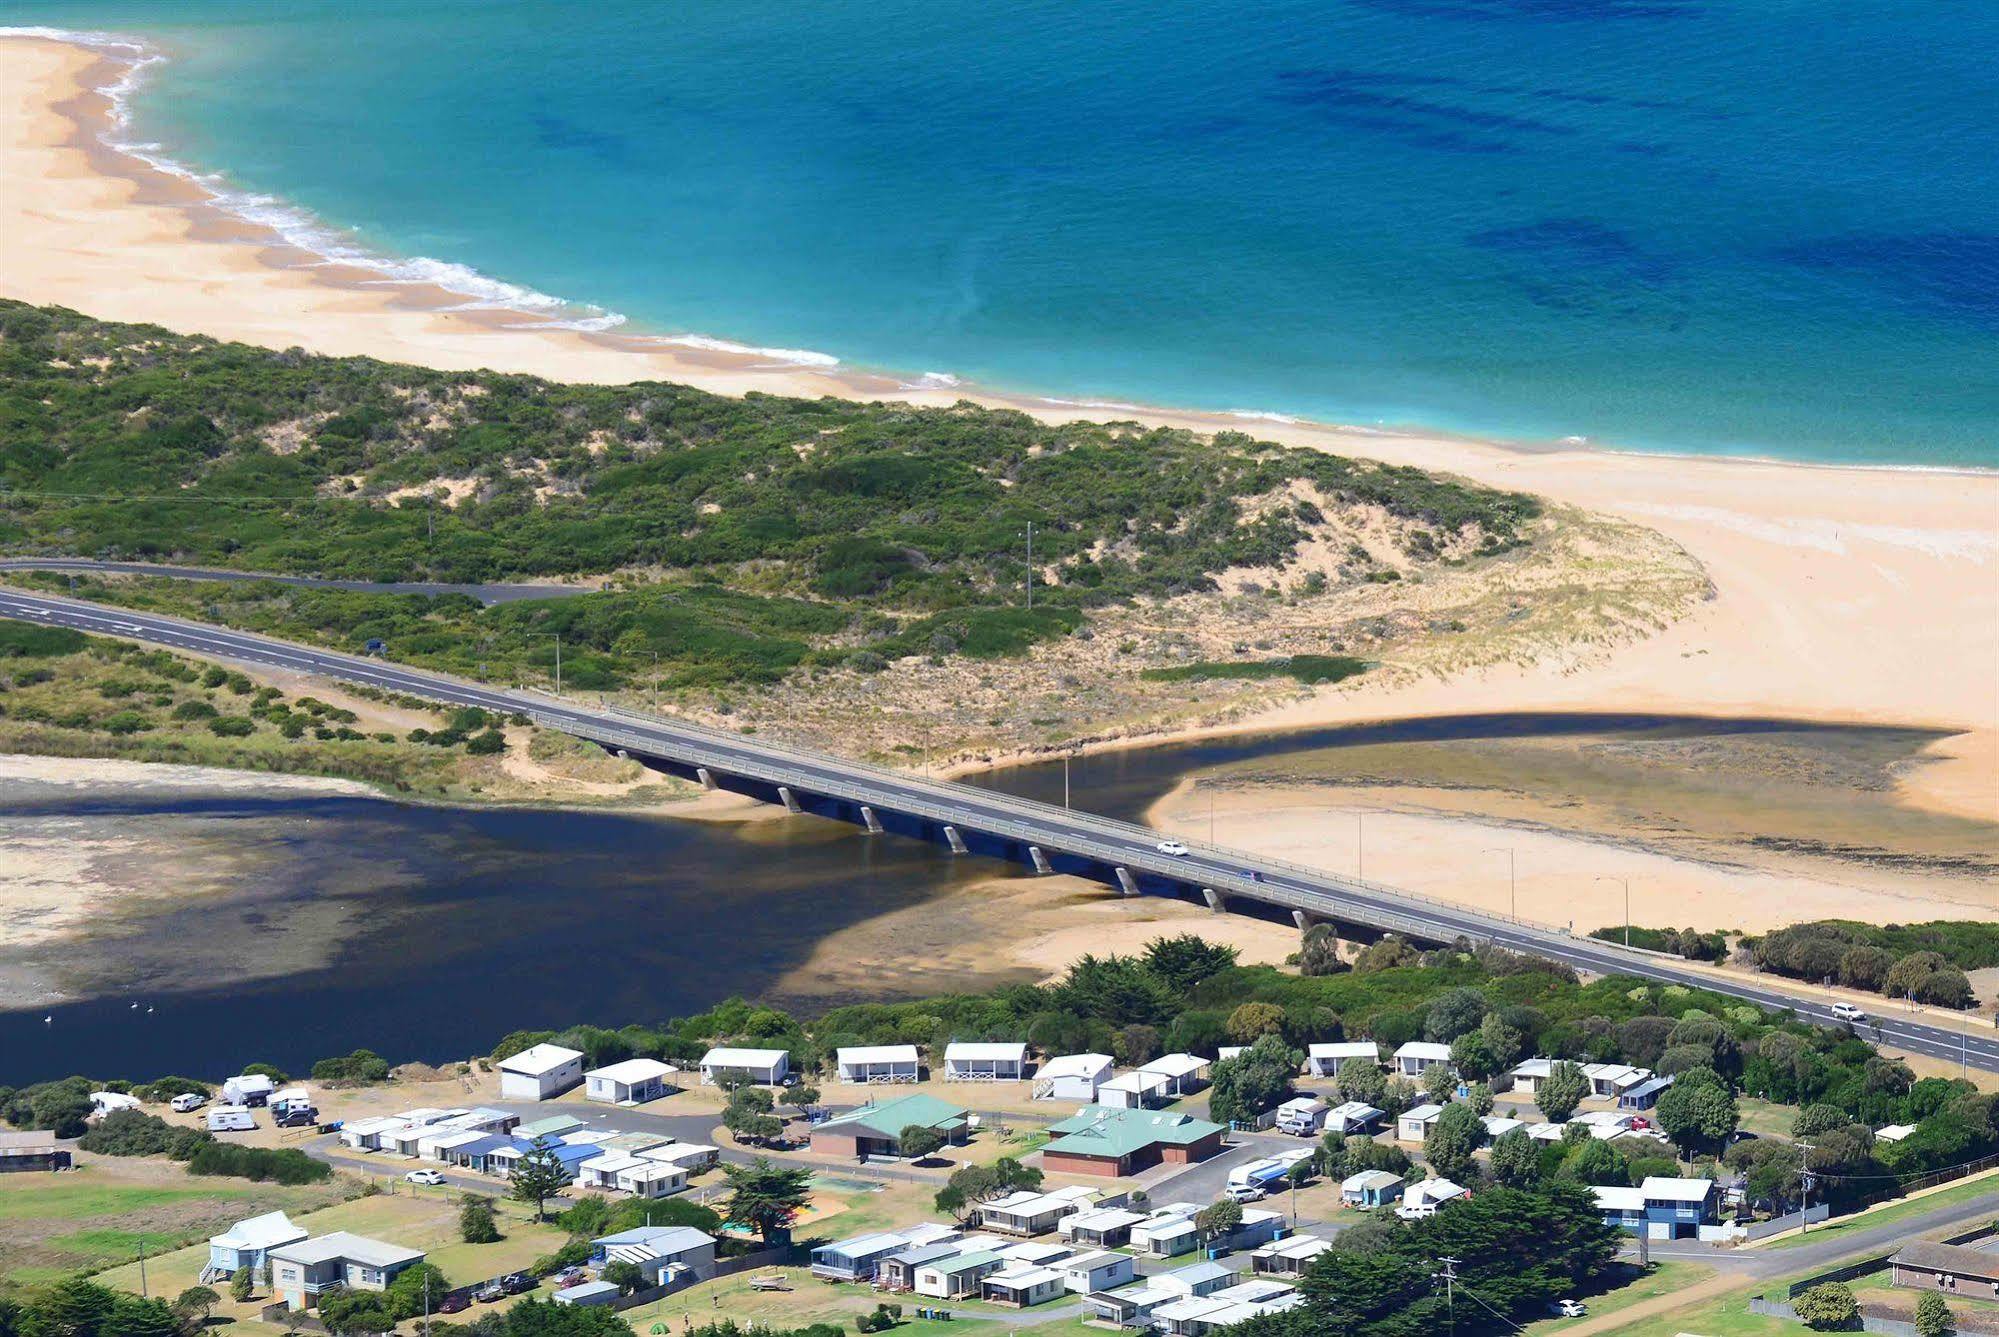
x,y
1172,847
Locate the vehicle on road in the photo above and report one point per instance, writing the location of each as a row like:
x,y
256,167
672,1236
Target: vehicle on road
x,y
424,1177
1172,847
1848,1013
187,1100
1569,1308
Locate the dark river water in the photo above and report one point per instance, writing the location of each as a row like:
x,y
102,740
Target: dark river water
x,y
440,929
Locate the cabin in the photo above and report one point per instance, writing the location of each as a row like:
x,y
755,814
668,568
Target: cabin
x,y
1100,1140
1370,1189
588,1293
661,1253
1029,1214
1326,1060
1000,1061
1527,1075
856,1258
1609,1080
1224,1308
862,1065
1953,1270
1413,1125
248,1244
1419,1056
1022,1286
693,1157
1073,1077
303,1269
1645,1094
539,1072
1184,1073
21,1152
1135,1090
1168,1232
1100,1227
876,1130
961,1276
633,1082
1135,1305
1094,1270
1287,1257
756,1067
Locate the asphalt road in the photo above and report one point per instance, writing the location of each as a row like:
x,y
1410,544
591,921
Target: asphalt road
x,y
1232,873
497,593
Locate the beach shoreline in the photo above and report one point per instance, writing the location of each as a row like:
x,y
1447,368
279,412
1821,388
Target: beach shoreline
x,y
1846,593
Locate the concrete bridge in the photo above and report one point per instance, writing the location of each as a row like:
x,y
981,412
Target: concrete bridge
x,y
974,822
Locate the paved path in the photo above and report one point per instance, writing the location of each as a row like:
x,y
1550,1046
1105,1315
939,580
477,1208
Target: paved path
x,y
1077,836
490,593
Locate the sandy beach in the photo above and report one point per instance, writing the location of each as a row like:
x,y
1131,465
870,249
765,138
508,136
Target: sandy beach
x,y
1840,593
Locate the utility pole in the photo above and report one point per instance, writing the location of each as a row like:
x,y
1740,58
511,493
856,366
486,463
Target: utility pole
x,y
1627,902
1030,564
1804,1190
1449,1277
143,1292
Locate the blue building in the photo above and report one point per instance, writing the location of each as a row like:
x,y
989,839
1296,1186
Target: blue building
x,y
1662,1208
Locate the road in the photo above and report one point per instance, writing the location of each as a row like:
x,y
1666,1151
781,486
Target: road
x,y
1232,873
491,593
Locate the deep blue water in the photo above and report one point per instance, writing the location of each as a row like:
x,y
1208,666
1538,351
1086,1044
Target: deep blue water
x,y
1766,227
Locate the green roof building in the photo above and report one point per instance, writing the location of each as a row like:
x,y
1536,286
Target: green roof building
x,y
1106,1140
876,1130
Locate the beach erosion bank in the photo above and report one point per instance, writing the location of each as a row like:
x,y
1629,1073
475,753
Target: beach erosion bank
x,y
1840,594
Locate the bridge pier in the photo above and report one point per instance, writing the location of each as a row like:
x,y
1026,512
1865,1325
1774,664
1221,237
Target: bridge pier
x,y
706,777
790,800
954,840
1126,882
1040,861
1214,900
1301,919
870,821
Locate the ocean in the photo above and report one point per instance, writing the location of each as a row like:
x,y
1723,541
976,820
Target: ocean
x,y
1762,228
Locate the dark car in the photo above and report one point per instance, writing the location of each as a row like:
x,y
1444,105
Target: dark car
x,y
375,647
454,1304
519,1283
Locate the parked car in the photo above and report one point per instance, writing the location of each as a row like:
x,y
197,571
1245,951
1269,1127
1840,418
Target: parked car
x,y
1172,847
298,1118
187,1100
1569,1308
490,1292
575,1276
1848,1013
456,1303
1245,1192
517,1283
424,1177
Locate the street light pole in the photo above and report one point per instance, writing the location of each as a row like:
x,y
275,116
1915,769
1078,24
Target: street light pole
x,y
1601,877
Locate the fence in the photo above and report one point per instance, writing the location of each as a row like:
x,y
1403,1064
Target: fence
x,y
1777,1225
726,1267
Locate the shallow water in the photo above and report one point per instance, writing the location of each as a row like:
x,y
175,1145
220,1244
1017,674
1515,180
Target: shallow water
x,y
1667,224
427,932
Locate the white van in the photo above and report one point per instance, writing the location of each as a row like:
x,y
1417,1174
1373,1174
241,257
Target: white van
x,y
186,1101
231,1119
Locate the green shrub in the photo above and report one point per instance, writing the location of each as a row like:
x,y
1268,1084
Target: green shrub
x,y
232,726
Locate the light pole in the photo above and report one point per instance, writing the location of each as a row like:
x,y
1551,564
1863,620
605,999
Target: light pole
x,y
1512,884
1626,882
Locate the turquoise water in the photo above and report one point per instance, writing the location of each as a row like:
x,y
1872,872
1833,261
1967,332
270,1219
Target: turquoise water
x,y
1764,228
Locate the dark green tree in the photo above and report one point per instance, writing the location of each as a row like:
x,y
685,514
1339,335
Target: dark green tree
x,y
538,1176
767,1198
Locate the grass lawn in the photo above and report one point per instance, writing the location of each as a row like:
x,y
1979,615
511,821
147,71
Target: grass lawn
x,y
107,1210
1969,1191
1629,1288
428,1222
1766,1118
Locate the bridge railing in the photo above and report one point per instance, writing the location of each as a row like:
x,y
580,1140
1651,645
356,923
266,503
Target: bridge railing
x,y
947,803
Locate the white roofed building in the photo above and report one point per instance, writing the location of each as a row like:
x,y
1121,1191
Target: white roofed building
x,y
541,1071
863,1064
1326,1060
1073,1077
1419,1056
633,1082
985,1061
758,1067
1184,1073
